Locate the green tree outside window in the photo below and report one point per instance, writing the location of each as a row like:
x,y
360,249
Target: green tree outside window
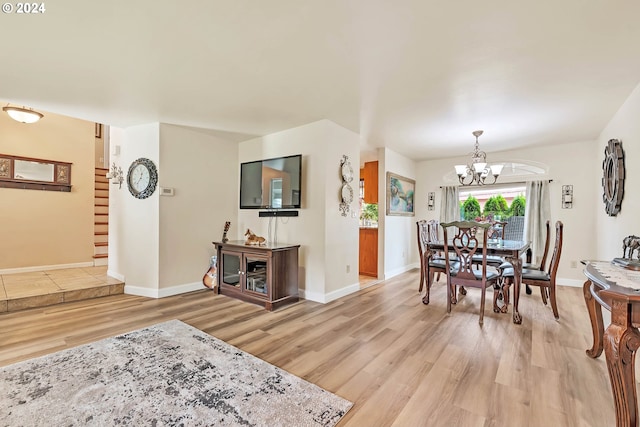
x,y
470,209
517,206
496,205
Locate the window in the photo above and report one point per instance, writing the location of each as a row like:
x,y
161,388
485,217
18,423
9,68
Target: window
x,y
495,200
504,203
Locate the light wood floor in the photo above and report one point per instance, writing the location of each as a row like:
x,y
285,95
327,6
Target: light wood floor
x,y
402,363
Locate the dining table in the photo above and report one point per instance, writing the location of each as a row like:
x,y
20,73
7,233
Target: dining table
x,y
512,252
615,285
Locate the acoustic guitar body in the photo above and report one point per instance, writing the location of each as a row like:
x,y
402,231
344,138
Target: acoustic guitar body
x,y
210,280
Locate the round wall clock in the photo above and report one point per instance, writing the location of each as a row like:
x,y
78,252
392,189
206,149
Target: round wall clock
x,y
613,177
142,178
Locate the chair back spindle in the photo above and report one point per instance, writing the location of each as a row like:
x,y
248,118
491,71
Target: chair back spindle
x,y
423,238
543,261
557,251
465,245
432,230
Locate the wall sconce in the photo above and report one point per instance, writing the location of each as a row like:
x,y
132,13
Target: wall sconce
x,y
116,175
431,201
567,196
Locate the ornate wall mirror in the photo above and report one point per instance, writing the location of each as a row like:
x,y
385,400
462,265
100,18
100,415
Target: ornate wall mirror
x,y
34,174
613,175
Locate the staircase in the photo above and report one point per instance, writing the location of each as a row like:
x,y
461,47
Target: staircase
x,y
101,217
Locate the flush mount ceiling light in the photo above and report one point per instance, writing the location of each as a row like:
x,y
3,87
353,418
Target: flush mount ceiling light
x,y
477,171
23,115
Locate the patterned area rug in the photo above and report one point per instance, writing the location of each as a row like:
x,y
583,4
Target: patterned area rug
x,y
169,374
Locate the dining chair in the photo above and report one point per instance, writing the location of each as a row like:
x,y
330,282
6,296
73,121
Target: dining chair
x,y
544,292
430,263
528,265
428,232
432,233
541,278
465,244
423,239
496,231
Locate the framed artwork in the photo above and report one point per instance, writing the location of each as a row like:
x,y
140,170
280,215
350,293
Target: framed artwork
x,y
400,195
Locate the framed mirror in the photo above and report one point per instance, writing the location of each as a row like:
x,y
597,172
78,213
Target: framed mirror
x,y
34,174
33,171
613,175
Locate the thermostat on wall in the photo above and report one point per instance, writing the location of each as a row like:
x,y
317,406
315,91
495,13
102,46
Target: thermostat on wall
x,y
166,191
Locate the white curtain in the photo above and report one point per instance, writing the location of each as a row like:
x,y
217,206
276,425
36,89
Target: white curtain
x,y
450,207
537,212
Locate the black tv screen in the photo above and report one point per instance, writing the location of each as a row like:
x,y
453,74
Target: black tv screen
x,y
271,183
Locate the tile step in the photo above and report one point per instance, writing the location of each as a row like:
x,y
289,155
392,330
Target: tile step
x,y
23,303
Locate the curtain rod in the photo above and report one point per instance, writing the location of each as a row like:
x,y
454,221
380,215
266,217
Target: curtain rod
x,y
495,184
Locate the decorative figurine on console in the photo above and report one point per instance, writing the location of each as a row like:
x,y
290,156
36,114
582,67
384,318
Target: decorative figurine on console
x,y
630,244
252,239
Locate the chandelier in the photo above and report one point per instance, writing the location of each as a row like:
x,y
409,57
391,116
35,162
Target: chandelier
x,y
477,171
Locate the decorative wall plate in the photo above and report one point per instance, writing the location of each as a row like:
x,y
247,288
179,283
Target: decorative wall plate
x,y
347,171
613,177
347,193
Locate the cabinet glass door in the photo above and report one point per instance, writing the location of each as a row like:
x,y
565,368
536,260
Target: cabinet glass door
x,y
231,269
256,274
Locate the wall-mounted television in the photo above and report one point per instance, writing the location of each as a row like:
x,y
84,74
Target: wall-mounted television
x,y
271,183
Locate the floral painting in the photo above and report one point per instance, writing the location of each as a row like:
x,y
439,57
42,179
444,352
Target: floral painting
x,y
400,195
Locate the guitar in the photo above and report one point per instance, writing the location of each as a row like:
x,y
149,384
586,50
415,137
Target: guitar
x,y
210,278
224,234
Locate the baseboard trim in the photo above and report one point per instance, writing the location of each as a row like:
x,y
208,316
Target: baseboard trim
x,y
331,296
45,267
574,283
116,275
398,271
164,292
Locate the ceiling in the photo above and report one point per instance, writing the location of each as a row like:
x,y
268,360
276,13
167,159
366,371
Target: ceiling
x,y
417,76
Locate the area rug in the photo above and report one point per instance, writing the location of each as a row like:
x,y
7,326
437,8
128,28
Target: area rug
x,y
169,374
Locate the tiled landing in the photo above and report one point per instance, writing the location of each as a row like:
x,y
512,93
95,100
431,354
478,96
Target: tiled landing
x,y
41,288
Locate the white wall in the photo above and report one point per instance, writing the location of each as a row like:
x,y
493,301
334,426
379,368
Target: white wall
x,y
117,236
625,126
202,170
134,228
568,164
400,250
328,241
161,245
